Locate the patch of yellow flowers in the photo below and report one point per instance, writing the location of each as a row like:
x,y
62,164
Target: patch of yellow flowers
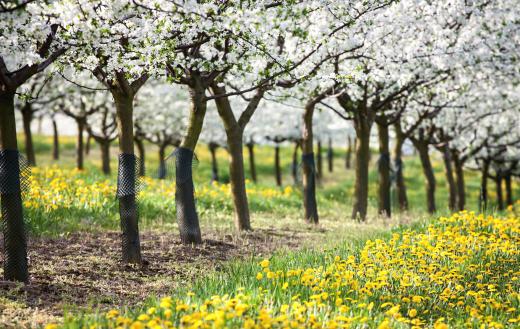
x,y
461,271
52,188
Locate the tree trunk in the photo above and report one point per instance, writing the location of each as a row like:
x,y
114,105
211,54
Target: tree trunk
x,y
483,187
422,149
214,165
187,216
319,160
509,190
15,245
79,146
384,204
141,152
359,209
40,125
127,189
294,166
459,174
308,167
400,184
55,141
87,145
234,134
237,180
277,168
27,117
330,156
105,157
500,196
348,155
252,165
162,162
452,188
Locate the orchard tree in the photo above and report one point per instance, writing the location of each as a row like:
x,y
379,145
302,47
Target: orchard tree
x,y
112,39
78,101
28,47
32,103
102,126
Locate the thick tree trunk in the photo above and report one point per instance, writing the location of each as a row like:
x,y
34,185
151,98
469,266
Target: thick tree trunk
x,y
162,162
234,134
105,156
422,149
141,153
187,216
252,165
500,196
452,187
214,165
55,141
359,209
400,184
294,166
459,174
483,187
15,245
509,190
319,160
79,145
27,117
128,211
384,204
348,154
277,167
330,156
308,167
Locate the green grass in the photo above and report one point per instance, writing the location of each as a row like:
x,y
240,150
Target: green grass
x,y
241,276
334,193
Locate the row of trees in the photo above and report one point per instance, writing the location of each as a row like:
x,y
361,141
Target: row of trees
x,y
443,74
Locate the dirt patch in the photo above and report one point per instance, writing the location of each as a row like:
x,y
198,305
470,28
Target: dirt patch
x,y
82,271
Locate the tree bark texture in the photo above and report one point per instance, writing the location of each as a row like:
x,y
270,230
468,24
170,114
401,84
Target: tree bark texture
x,y
359,209
384,200
15,244
277,167
422,149
27,118
55,141
214,164
450,179
330,156
127,184
308,167
252,164
400,184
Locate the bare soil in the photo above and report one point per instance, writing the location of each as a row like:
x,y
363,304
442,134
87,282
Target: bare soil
x,y
82,271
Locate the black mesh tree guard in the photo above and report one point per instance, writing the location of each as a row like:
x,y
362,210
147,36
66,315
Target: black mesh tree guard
x,y
187,216
12,171
384,161
128,186
309,189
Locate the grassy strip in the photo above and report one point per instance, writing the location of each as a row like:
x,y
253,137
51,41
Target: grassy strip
x,y
460,270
